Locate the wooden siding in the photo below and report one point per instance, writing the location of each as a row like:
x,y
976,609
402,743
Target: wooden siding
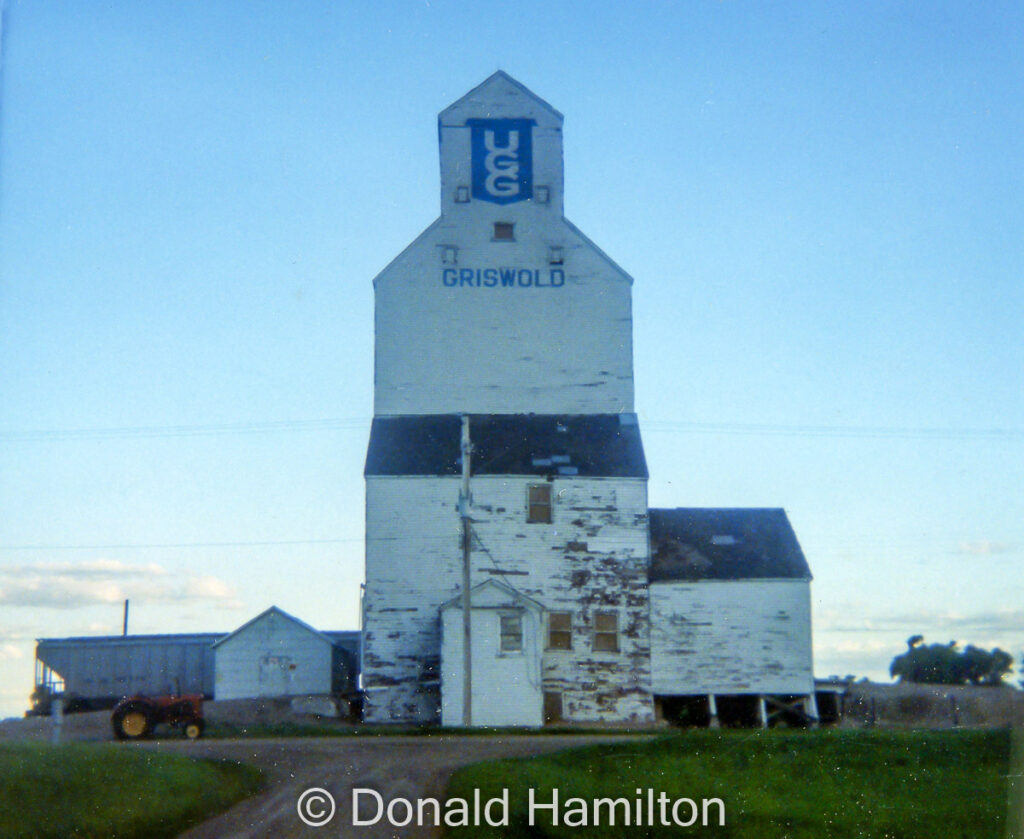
x,y
565,350
731,637
593,557
562,347
274,656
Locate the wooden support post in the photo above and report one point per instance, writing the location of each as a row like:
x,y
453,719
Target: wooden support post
x,y
713,721
762,712
811,710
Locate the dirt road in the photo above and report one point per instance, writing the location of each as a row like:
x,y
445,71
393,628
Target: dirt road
x,y
406,767
395,766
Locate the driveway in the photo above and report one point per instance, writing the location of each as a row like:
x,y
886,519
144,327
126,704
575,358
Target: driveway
x,y
406,767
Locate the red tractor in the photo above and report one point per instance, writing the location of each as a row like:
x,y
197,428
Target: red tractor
x,y
134,717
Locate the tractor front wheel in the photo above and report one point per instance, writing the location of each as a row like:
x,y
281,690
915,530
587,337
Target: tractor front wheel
x,y
194,729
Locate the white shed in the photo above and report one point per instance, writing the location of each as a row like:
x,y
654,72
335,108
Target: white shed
x,y
506,628
274,654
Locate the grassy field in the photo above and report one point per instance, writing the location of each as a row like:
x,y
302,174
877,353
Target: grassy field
x,y
774,784
220,730
108,791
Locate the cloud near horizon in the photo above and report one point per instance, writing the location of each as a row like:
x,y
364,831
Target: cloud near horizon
x,y
74,585
994,622
984,547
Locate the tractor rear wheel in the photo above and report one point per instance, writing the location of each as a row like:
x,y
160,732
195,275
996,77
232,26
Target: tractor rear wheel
x,y
132,721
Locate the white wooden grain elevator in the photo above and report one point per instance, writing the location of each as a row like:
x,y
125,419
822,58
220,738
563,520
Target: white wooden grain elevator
x,y
503,326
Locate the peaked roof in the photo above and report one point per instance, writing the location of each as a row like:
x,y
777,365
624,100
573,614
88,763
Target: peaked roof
x,y
501,586
587,445
495,82
724,544
282,613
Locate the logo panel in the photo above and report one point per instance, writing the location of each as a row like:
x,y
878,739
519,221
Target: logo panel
x,y
502,159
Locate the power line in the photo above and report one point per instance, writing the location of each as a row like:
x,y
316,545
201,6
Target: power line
x,y
144,431
652,425
865,431
954,543
175,545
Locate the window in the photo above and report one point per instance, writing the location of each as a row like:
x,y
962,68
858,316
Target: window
x,y
559,630
504,231
511,633
462,195
606,632
538,507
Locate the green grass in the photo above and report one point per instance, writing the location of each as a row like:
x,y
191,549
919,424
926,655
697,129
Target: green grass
x,y
111,791
331,728
775,785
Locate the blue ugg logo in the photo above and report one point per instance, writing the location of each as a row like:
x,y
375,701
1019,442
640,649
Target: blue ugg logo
x,y
502,159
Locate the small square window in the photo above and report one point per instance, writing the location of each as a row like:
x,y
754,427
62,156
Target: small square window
x,y
538,507
504,231
542,195
559,630
511,633
449,254
606,632
462,195
555,256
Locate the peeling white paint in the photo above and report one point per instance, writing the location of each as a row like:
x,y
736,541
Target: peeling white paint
x,y
731,637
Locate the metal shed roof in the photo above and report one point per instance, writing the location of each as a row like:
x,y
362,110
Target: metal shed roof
x,y
724,544
602,445
274,610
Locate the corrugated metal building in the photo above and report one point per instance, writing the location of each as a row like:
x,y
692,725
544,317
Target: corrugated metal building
x,y
96,672
504,345
274,654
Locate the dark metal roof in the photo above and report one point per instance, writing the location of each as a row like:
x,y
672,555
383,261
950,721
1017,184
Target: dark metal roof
x,y
724,544
591,445
346,638
114,640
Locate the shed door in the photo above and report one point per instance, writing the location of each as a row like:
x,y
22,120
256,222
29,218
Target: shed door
x,y
275,675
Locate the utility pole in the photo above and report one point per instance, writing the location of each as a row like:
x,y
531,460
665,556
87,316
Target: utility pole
x,y
467,547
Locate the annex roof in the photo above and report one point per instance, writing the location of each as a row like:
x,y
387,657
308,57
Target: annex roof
x,y
724,544
591,445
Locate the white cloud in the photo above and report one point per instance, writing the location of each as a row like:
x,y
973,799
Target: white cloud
x,y
10,651
67,585
984,548
962,624
88,568
212,588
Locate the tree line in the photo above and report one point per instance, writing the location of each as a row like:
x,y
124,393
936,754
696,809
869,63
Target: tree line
x,y
948,664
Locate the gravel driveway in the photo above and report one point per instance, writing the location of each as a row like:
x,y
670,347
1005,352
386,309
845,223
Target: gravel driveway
x,y
407,767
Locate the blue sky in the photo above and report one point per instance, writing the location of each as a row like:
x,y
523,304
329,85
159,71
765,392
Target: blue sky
x,y
821,206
